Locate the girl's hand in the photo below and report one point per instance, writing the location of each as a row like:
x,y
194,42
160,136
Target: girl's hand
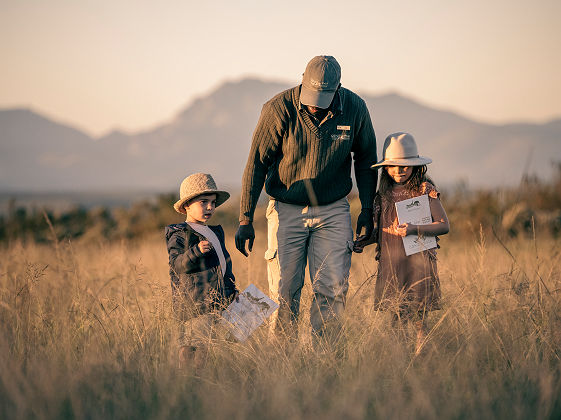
x,y
204,246
406,229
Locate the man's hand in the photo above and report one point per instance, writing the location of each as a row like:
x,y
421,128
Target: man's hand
x,y
358,245
245,233
366,222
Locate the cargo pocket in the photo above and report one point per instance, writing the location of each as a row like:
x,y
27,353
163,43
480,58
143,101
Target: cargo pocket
x,y
273,270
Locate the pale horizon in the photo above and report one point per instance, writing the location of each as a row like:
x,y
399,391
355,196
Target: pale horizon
x,y
101,66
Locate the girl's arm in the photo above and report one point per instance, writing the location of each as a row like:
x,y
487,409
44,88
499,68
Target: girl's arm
x,y
439,226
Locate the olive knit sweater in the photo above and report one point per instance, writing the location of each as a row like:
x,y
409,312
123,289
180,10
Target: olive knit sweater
x,y
304,162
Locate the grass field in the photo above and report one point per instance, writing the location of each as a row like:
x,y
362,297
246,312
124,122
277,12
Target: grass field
x,y
86,332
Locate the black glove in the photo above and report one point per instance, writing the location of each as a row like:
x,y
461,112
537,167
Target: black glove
x,y
245,233
366,221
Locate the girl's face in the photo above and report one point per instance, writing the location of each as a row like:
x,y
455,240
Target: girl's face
x,y
400,174
201,208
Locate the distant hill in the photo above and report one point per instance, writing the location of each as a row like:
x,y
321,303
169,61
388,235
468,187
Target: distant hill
x,y
213,134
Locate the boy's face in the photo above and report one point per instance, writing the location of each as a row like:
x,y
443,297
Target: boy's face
x,y
200,208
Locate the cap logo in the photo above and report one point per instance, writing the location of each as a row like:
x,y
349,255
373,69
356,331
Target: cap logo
x,y
319,84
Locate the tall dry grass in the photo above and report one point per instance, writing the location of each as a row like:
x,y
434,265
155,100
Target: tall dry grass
x,y
86,332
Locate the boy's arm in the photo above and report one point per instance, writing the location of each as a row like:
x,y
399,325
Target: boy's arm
x,y
182,260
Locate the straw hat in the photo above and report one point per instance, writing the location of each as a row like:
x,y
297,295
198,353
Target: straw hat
x,y
400,149
198,184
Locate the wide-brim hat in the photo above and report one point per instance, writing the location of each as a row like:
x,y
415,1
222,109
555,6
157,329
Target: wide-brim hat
x,y
195,185
320,81
400,149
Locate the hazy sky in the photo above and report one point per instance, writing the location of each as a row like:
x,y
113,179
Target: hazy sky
x,y
131,64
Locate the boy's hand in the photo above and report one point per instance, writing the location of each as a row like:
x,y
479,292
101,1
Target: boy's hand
x,y
205,246
245,233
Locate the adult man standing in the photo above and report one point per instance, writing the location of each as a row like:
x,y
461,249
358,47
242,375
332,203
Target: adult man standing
x,y
301,150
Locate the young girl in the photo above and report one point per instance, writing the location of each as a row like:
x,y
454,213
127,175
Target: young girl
x,y
406,285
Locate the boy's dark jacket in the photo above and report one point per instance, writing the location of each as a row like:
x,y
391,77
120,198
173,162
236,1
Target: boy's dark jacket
x,y
197,282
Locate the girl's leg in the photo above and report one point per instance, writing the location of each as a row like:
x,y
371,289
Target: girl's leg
x,y
405,320
421,331
186,356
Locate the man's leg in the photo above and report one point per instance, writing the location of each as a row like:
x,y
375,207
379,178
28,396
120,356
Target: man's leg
x,y
286,262
329,254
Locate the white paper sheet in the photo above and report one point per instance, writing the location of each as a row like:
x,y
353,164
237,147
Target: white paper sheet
x,y
416,211
252,309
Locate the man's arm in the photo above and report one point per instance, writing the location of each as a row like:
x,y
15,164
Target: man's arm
x,y
265,143
364,153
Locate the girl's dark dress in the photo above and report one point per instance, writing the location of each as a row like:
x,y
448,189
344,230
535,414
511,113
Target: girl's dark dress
x,y
405,284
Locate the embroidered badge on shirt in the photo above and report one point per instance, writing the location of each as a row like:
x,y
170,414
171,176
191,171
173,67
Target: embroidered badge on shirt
x,y
344,136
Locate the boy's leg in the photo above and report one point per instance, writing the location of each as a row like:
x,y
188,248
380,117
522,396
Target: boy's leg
x,y
286,262
329,255
195,339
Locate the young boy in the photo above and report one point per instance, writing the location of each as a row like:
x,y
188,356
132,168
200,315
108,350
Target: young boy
x,y
200,268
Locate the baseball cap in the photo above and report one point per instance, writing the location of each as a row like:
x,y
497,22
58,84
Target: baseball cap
x,y
320,82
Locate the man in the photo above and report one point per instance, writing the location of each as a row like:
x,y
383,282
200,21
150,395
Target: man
x,y
301,150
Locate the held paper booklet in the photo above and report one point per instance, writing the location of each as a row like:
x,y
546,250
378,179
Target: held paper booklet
x,y
243,317
416,211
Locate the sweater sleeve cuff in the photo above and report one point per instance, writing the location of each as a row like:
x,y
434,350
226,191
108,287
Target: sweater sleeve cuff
x,y
196,250
245,218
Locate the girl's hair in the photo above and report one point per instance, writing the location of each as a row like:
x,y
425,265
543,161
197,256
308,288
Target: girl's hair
x,y
413,184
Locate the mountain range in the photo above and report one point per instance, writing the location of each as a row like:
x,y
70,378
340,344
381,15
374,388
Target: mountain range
x,y
213,135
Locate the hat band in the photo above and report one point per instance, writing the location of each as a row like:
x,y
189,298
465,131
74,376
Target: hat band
x,y
406,157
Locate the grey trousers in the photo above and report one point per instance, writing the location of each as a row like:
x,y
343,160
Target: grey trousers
x,y
321,237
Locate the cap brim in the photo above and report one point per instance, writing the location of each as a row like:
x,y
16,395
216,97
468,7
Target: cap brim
x,y
319,98
418,161
221,197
